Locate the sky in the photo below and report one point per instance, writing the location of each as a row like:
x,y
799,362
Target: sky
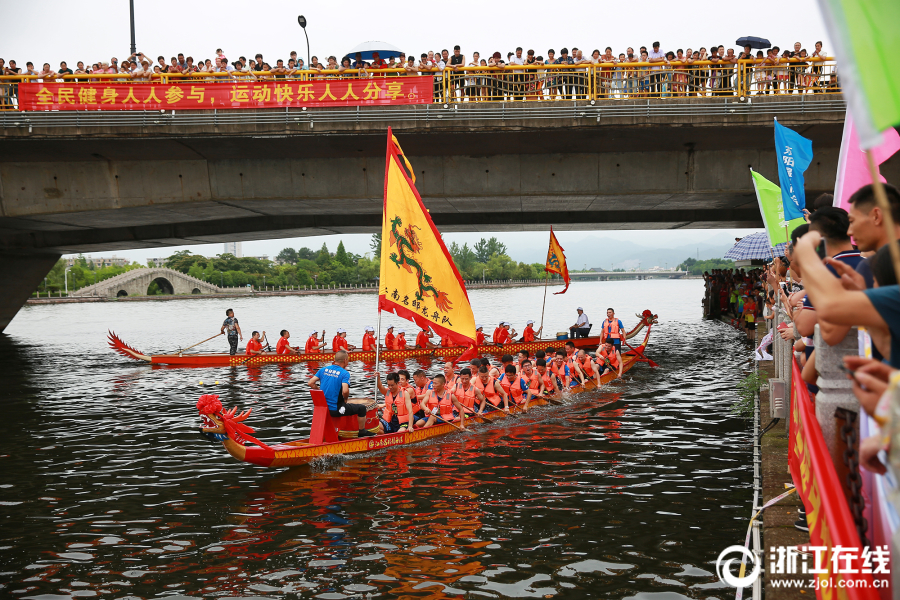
x,y
74,30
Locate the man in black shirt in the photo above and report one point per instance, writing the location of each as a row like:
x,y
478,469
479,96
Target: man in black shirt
x,y
64,69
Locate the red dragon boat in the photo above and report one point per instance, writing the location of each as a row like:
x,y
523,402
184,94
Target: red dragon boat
x,y
228,360
228,427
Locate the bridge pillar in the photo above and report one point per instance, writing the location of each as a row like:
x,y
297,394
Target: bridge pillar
x,y
21,273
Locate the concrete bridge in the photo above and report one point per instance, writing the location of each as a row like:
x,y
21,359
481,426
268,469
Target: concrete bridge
x,y
104,181
137,281
608,275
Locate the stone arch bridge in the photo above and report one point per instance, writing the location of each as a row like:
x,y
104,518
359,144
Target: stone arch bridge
x,y
137,281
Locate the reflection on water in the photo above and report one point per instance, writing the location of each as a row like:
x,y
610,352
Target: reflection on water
x,y
107,490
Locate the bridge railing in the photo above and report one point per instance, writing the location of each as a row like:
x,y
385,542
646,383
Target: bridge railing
x,y
586,81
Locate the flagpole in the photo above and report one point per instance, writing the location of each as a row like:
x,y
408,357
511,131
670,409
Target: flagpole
x,y
544,306
377,338
884,205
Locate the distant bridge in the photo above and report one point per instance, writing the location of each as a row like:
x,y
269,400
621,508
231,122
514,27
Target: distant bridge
x,y
606,275
137,281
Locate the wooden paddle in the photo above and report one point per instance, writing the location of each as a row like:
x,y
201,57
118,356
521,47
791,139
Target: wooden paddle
x,y
198,343
448,423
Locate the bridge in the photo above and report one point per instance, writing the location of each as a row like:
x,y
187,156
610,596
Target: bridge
x,y
611,275
137,281
112,180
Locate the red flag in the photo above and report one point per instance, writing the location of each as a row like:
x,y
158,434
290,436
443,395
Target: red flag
x,y
556,261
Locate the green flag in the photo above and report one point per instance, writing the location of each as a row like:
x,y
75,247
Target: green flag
x,y
771,208
864,33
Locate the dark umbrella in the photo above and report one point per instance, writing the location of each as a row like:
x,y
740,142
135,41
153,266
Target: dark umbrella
x,y
757,43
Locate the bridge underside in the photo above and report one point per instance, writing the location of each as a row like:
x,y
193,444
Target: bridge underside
x,y
106,188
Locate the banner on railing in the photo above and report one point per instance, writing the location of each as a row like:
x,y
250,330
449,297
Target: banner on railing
x,y
842,568
373,91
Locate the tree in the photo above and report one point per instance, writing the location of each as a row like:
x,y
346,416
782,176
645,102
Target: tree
x,y
485,249
305,253
375,244
341,257
463,257
323,258
287,256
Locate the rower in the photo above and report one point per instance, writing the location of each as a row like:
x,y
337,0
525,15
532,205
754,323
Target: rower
x,y
404,380
547,380
609,358
466,393
230,325
422,339
529,335
314,343
334,381
421,385
582,326
479,335
254,346
369,342
283,347
560,369
389,338
521,357
505,361
400,340
340,341
496,332
570,350
584,365
612,330
440,404
397,409
491,389
503,336
445,341
449,377
533,379
514,385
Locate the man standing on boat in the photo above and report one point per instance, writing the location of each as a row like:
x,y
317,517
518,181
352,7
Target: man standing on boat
x,y
334,381
612,331
582,325
230,325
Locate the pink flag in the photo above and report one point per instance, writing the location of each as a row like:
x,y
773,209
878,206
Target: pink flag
x,y
853,170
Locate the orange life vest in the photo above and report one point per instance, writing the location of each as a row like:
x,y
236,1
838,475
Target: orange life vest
x,y
253,346
528,334
389,340
547,380
534,383
421,392
451,383
502,336
611,328
465,397
479,338
339,343
369,342
422,340
400,342
444,404
559,371
504,383
514,388
312,345
496,333
613,359
488,389
445,342
395,405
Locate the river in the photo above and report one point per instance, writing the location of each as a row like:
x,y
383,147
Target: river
x,y
107,490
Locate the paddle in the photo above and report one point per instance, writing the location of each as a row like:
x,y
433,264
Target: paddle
x,y
198,343
641,354
448,423
254,355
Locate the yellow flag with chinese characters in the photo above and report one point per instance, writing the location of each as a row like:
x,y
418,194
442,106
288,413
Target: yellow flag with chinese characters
x,y
556,261
418,279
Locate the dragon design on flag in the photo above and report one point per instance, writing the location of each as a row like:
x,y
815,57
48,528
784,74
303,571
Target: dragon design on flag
x,y
553,261
408,244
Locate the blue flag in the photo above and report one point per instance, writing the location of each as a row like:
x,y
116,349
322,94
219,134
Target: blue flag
x,y
794,154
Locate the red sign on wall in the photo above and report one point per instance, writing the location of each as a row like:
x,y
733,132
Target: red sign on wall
x,y
370,91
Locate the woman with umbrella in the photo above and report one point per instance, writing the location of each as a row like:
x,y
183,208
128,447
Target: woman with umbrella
x,y
750,43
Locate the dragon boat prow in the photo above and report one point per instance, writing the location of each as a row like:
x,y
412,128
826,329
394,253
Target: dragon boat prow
x,y
124,349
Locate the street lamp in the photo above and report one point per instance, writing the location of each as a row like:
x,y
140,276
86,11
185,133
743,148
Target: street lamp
x,y
133,47
66,275
302,21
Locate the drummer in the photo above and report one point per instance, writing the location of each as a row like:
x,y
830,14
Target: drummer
x,y
334,381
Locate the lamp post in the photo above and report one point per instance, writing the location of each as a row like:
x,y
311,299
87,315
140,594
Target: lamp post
x,y
66,275
133,47
302,21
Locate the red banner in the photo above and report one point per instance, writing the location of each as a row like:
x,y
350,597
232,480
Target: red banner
x,y
199,94
827,513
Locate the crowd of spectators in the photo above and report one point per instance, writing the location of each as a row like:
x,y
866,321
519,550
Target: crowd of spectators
x,y
647,72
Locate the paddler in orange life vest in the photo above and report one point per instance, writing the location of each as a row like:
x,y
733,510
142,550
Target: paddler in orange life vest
x,y
283,347
389,338
547,380
466,392
521,357
450,378
400,340
314,343
254,346
422,339
572,363
608,359
479,335
441,405
533,379
340,341
505,361
369,343
559,368
516,387
529,334
491,390
505,335
397,413
496,332
417,392
612,330
584,365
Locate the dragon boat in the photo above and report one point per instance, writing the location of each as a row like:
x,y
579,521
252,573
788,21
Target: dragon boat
x,y
227,360
326,433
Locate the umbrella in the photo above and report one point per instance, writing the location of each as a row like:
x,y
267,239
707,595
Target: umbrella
x,y
383,49
754,246
757,43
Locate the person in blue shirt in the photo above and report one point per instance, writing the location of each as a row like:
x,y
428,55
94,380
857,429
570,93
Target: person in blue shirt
x,y
334,381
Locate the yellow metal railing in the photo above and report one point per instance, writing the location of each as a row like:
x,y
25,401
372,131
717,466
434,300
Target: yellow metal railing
x,y
586,81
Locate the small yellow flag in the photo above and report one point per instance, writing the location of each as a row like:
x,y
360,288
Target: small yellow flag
x,y
556,261
418,280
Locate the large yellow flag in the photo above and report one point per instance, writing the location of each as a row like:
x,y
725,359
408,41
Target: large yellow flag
x,y
556,261
419,281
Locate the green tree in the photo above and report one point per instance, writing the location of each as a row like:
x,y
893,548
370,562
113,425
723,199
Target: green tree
x,y
697,267
341,257
375,244
323,258
305,253
485,249
287,256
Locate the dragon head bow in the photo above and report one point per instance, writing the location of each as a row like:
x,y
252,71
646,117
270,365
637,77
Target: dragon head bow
x,y
217,420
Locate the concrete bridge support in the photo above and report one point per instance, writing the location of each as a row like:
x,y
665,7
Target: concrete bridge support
x,y
26,270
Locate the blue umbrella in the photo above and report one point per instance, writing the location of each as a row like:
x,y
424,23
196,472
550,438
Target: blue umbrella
x,y
757,43
755,246
366,49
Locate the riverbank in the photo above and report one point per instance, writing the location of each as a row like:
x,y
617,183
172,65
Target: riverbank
x,y
273,292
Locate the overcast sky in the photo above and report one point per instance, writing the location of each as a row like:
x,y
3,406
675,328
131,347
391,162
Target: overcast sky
x,y
72,30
